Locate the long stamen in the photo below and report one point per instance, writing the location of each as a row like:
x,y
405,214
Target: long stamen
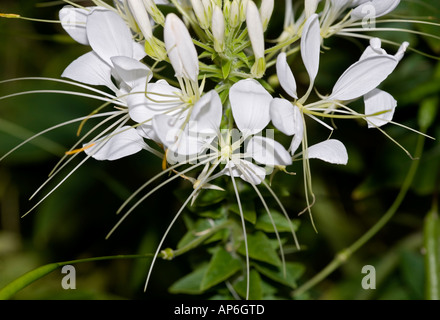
x,y
169,228
244,231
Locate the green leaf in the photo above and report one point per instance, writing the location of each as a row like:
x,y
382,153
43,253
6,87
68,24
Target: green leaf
x,y
293,272
201,228
226,68
190,284
412,268
432,256
209,197
260,248
222,266
255,286
264,222
248,211
22,282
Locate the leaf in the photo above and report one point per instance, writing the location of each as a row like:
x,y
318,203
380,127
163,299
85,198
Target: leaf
x,y
260,248
264,222
293,272
255,286
226,68
248,211
413,273
221,267
201,228
190,284
427,112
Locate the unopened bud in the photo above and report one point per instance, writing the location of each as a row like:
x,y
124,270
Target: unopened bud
x,y
154,11
266,10
218,29
256,35
234,14
140,15
243,9
200,13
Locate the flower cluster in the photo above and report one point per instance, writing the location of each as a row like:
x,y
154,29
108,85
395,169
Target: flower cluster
x,y
190,86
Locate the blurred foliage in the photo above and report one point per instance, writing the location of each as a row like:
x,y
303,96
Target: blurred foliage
x,y
73,221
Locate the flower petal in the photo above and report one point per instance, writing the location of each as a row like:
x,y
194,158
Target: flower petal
x,y
378,101
310,46
286,117
109,36
376,8
268,151
362,77
207,113
285,75
74,20
131,72
90,69
124,142
250,104
332,151
246,170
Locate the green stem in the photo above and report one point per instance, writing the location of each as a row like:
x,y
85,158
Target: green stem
x,y
345,254
25,280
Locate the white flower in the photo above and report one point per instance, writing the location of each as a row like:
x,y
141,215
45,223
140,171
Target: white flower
x,y
109,37
310,7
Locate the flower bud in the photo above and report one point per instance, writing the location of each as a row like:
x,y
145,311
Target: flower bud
x,y
181,50
154,11
218,29
243,8
266,10
200,13
256,35
141,17
234,14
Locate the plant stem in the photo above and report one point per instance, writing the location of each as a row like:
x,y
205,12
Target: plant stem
x,y
345,254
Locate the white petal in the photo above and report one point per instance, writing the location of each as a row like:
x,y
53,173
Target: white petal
x,y
250,104
180,143
332,151
90,69
310,46
379,101
285,75
246,170
362,77
109,36
124,142
207,113
285,116
131,72
180,48
74,22
375,8
268,151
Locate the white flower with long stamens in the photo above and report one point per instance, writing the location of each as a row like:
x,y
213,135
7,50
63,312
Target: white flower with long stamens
x,y
109,36
310,7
